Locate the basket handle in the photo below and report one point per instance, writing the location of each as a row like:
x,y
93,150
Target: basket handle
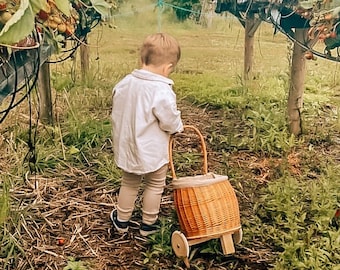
x,y
203,149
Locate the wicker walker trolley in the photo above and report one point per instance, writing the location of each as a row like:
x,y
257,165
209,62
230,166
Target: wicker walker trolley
x,y
206,206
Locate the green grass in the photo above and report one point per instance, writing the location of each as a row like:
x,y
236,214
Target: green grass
x,y
293,216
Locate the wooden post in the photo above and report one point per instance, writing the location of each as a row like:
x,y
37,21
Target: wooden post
x,y
84,60
44,88
251,26
207,13
297,79
210,12
203,17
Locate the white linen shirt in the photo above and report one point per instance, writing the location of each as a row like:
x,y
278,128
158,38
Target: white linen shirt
x,y
144,114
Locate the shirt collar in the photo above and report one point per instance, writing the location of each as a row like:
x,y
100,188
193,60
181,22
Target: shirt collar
x,y
147,75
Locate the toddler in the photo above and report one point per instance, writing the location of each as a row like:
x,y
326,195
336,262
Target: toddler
x,y
144,115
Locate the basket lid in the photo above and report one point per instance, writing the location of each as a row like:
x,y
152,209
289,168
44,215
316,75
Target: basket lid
x,y
198,180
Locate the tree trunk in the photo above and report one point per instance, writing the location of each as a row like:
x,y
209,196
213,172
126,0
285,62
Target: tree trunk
x,y
207,13
297,78
84,60
251,26
44,88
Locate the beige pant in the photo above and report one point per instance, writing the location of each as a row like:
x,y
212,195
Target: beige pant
x,y
154,183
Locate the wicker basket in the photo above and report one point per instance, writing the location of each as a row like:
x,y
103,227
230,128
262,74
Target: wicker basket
x,y
206,204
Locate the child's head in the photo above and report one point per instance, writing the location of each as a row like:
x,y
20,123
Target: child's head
x,y
160,49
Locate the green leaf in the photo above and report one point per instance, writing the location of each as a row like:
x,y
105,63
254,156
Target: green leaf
x,y
75,265
73,150
63,6
19,26
307,4
4,205
101,7
37,5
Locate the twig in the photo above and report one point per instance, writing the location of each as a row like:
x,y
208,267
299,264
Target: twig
x,y
49,252
93,252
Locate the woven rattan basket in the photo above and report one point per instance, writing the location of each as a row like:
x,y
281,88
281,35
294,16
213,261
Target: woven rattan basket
x,y
206,204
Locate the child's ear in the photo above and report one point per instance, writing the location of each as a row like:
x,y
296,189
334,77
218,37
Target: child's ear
x,y
171,67
167,69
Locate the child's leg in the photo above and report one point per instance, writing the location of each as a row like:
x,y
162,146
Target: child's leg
x,y
127,195
154,187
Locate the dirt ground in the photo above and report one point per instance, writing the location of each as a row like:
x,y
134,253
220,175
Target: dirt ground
x,y
67,218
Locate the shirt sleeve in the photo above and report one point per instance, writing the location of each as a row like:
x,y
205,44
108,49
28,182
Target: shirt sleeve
x,y
166,112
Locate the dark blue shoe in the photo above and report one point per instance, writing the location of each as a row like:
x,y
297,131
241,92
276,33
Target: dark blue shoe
x,y
146,230
122,226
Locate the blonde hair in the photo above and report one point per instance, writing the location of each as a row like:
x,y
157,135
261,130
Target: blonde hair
x,y
160,48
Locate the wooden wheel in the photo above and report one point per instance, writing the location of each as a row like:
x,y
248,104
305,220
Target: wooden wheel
x,y
237,236
180,246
